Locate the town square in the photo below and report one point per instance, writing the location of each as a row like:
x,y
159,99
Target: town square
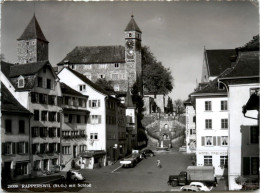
x,y
130,96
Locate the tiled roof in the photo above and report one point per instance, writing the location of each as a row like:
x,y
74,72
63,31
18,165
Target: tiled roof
x,y
33,31
29,82
89,82
246,65
132,26
26,69
218,60
5,68
253,45
65,89
10,104
95,54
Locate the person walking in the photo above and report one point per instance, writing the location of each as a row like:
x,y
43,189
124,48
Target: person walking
x,y
159,163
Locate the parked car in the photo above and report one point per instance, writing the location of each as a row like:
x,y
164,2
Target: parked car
x,y
190,188
201,186
74,176
148,152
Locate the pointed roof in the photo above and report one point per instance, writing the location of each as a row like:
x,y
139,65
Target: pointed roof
x,y
128,99
132,26
33,31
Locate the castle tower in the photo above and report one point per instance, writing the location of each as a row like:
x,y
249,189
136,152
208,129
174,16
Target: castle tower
x,y
133,38
32,45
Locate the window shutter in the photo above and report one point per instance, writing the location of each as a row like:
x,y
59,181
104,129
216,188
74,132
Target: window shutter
x,y
26,147
99,118
98,103
219,141
202,141
246,166
13,147
3,148
50,132
89,103
214,140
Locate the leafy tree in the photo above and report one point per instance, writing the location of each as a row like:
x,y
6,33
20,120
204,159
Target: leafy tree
x,y
156,78
139,103
169,108
105,84
179,106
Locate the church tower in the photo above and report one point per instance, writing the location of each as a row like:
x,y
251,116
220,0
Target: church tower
x,y
133,38
32,45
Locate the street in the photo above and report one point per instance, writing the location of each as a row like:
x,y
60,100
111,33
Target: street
x,y
146,176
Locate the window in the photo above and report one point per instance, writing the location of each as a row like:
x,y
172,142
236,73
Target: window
x,y
35,131
22,147
52,132
207,160
36,115
35,148
51,99
43,98
93,136
208,124
116,87
250,165
39,81
102,66
65,150
52,116
8,148
115,76
207,105
94,103
95,119
21,168
224,161
82,148
70,118
20,82
224,123
21,126
223,105
44,115
78,119
43,148
82,87
8,126
101,76
43,131
36,164
49,84
52,147
208,141
254,135
224,141
58,117
34,97
130,35
116,65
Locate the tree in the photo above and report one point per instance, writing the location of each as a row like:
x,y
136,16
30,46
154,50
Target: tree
x,y
139,103
156,78
179,107
105,84
169,108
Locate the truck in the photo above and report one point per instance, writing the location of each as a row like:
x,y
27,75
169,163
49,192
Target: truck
x,y
131,161
205,174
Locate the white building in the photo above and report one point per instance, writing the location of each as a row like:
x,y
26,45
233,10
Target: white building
x,y
242,82
190,132
211,127
102,131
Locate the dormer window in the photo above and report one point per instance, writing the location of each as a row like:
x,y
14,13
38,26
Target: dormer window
x,y
20,82
130,35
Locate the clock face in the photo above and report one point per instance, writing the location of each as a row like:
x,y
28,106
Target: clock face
x,y
130,44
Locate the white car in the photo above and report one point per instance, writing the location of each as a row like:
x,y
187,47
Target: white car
x,y
74,175
201,186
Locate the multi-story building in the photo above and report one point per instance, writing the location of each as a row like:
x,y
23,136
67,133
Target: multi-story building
x,y
120,64
74,125
102,132
35,84
122,140
190,132
211,127
242,82
15,132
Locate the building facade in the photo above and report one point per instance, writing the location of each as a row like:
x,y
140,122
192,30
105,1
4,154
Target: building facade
x,y
15,138
120,64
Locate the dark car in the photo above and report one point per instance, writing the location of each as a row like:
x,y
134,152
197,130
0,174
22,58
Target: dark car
x,y
148,152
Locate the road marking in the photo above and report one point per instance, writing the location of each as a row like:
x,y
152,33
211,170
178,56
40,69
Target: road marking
x,y
116,169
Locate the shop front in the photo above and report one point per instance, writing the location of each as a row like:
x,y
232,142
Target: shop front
x,y
92,159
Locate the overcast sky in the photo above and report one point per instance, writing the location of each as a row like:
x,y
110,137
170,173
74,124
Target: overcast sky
x,y
176,32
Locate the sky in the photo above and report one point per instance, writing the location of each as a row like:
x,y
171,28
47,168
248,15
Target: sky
x,y
176,32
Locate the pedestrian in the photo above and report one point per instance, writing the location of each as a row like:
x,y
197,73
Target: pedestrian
x,y
144,155
159,163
